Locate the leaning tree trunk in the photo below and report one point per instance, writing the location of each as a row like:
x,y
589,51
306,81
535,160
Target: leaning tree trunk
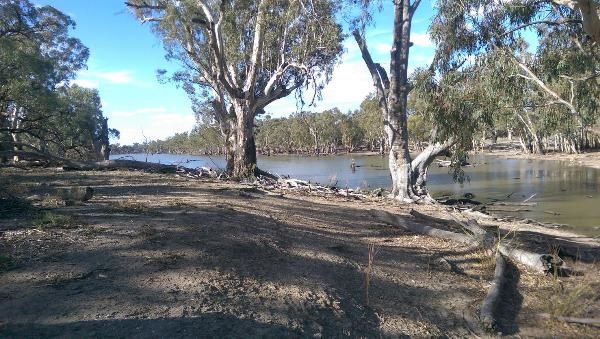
x,y
422,162
244,158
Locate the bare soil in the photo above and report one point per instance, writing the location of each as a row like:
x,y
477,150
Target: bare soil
x,y
155,255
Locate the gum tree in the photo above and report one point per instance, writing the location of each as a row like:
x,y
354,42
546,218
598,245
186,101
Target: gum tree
x,y
242,55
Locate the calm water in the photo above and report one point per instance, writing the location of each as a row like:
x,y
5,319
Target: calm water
x,y
571,191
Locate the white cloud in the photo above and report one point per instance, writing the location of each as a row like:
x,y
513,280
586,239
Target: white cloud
x,y
118,77
135,112
350,84
421,39
383,48
85,83
156,127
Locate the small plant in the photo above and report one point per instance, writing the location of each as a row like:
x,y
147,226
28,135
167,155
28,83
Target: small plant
x,y
130,206
373,250
46,220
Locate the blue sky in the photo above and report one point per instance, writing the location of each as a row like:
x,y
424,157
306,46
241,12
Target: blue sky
x,y
124,57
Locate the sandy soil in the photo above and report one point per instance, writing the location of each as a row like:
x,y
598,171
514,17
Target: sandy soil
x,y
158,256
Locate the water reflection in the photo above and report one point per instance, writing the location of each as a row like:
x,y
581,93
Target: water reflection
x,y
564,193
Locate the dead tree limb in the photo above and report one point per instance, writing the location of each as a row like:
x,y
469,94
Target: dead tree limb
x,y
491,300
396,220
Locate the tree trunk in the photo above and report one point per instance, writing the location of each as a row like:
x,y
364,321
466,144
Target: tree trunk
x,y
105,141
397,126
422,162
15,124
244,162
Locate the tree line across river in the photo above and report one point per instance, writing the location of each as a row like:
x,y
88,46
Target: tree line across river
x,y
333,132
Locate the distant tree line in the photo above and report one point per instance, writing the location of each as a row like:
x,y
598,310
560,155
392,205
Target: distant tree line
x,y
41,114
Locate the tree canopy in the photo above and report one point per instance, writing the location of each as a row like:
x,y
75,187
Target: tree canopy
x,y
240,56
39,112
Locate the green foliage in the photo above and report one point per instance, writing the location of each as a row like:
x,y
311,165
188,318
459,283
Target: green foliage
x,y
38,110
548,88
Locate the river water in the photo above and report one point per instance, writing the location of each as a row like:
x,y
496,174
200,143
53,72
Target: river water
x,y
564,193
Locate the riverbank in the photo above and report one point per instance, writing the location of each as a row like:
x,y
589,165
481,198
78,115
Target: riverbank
x,y
590,159
160,255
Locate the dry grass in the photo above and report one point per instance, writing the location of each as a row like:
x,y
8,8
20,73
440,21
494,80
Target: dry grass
x,y
47,220
131,206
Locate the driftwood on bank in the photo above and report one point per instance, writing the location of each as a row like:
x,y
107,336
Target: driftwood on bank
x,y
492,298
288,184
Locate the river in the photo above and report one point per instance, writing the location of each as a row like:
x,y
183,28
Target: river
x,y
564,193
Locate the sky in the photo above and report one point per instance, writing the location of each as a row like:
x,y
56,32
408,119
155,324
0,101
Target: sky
x,y
124,57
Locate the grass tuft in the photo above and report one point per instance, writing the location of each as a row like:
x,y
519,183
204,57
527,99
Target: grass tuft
x,y
130,206
47,220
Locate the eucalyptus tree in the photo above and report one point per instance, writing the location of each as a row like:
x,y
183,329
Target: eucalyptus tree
x,y
37,58
559,82
243,55
370,121
408,174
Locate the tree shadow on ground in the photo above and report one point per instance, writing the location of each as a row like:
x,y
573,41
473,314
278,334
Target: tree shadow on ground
x,y
211,325
510,303
274,257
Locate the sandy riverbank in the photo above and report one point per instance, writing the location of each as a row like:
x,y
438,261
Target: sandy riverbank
x,y
160,256
589,159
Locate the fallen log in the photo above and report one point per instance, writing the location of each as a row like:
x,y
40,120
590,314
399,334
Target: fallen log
x,y
74,165
471,225
493,296
541,263
118,164
394,220
585,321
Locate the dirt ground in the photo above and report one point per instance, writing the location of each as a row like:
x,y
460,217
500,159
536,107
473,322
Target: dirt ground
x,y
154,255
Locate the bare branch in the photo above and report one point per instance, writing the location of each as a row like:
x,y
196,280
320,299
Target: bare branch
x,y
378,82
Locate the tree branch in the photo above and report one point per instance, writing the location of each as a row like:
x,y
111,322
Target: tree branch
x,y
378,82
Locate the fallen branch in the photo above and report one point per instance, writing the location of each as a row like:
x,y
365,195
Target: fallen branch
x,y
492,298
586,321
395,220
118,164
536,262
471,225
